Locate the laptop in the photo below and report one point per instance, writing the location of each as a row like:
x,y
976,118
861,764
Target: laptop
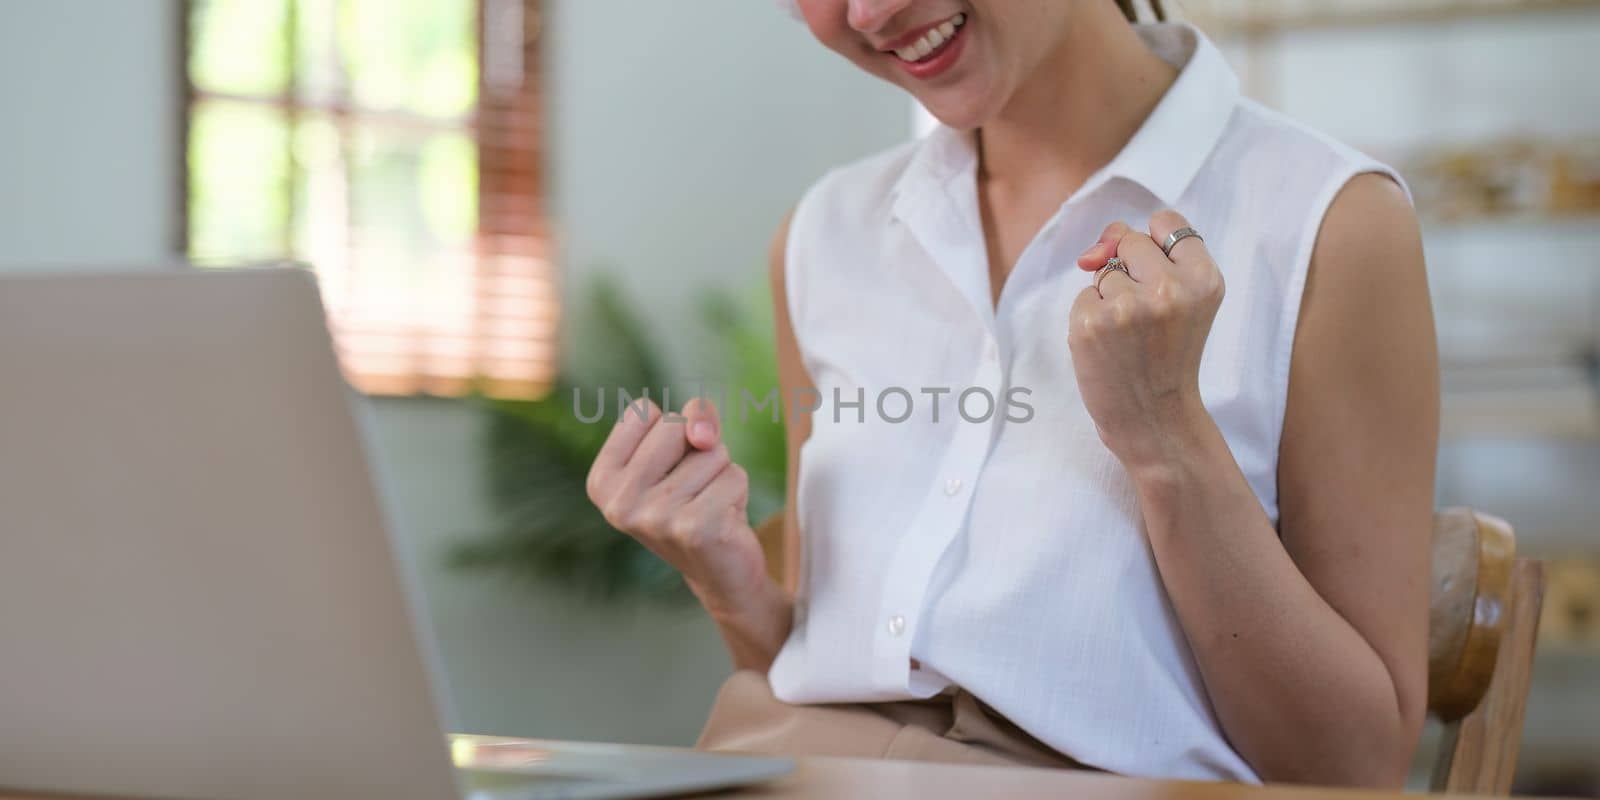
x,y
199,596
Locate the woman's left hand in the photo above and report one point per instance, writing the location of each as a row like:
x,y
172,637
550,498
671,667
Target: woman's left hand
x,y
1136,342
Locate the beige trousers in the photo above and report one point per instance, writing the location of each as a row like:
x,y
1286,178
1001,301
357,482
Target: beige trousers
x,y
954,728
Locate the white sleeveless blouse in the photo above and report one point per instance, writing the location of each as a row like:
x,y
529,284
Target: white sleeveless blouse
x,y
1005,551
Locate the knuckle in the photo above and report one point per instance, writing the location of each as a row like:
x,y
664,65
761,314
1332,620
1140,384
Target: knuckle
x,y
682,530
594,483
647,520
1122,313
644,413
639,412
615,515
629,520
1084,328
629,421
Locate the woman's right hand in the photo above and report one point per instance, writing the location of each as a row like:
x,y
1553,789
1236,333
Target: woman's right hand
x,y
667,481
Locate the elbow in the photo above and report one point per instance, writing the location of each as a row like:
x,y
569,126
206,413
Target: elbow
x,y
1384,767
1385,770
1372,757
1361,768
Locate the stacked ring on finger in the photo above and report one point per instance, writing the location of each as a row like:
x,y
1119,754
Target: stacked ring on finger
x,y
1114,264
1178,236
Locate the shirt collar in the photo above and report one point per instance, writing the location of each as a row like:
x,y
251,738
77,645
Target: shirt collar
x,y
1166,152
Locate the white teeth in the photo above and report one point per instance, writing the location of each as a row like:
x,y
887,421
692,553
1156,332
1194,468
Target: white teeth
x,y
932,40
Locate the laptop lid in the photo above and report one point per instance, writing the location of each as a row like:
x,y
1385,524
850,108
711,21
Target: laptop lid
x,y
198,596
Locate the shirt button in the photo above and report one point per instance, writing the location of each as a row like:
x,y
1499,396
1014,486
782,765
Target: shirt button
x,y
952,486
897,625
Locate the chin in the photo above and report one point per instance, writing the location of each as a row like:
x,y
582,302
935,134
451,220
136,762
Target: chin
x,y
964,113
960,119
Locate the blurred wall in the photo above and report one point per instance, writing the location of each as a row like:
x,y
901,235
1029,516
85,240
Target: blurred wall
x,y
683,132
88,136
679,135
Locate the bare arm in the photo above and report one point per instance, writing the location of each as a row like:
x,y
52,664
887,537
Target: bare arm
x,y
1312,644
754,634
1313,647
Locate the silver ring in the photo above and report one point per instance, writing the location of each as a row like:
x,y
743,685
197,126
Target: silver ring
x,y
1115,264
1178,236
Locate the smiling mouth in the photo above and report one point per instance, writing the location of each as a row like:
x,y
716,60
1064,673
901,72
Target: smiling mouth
x,y
932,42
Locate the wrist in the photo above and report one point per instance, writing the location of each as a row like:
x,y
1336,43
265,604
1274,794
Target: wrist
x,y
1180,447
755,626
751,604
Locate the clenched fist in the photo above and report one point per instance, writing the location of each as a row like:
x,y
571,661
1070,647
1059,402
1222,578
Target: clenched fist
x,y
1136,342
666,480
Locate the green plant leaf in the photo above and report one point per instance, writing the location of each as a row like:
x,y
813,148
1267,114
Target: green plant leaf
x,y
539,452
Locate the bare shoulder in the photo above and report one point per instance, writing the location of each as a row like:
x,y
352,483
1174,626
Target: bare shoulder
x,y
1365,315
1369,228
1364,375
1368,281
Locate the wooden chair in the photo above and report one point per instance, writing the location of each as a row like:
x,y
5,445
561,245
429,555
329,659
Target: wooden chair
x,y
1484,621
1481,636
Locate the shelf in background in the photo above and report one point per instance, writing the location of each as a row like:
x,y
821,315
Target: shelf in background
x,y
1545,398
1555,413
1570,622
1244,18
1525,179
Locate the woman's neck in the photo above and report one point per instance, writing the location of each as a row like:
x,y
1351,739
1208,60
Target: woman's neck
x,y
1078,109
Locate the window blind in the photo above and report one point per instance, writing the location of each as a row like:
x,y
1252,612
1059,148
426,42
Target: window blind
x,y
395,148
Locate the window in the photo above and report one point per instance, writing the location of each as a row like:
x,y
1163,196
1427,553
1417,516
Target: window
x,y
395,147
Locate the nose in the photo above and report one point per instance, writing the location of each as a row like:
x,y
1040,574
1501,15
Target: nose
x,y
869,16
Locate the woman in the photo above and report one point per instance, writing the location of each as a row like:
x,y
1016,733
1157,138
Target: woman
x,y
1201,550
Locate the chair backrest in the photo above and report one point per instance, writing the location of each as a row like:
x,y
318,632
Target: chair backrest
x,y
1482,631
1483,623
